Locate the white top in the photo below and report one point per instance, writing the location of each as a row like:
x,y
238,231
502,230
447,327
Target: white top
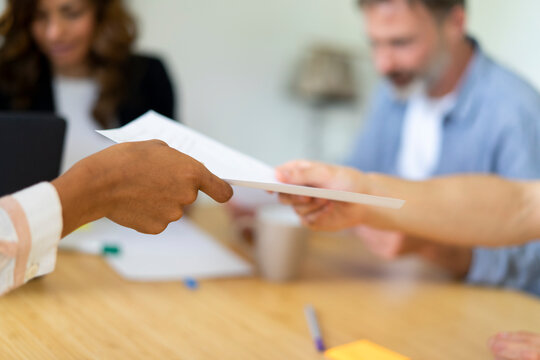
x,y
74,101
421,137
30,229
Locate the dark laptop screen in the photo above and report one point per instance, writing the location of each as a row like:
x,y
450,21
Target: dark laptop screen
x,y
30,149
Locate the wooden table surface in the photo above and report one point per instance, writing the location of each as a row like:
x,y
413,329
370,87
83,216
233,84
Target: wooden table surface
x,y
84,310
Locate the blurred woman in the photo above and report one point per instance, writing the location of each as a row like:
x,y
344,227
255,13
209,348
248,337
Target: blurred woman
x,y
75,58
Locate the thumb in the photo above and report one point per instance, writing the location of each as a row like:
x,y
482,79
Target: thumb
x,y
305,173
214,187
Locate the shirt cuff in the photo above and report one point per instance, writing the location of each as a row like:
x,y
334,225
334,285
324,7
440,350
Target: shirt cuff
x,y
43,210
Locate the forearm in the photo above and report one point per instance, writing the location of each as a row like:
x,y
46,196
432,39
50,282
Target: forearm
x,y
80,192
467,210
456,260
533,221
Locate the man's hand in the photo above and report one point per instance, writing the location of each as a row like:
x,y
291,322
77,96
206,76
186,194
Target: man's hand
x,y
390,245
141,185
515,346
321,214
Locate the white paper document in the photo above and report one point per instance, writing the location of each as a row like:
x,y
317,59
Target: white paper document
x,y
231,165
181,251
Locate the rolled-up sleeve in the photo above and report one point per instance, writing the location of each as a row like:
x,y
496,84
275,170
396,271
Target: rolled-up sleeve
x,y
518,158
514,267
30,229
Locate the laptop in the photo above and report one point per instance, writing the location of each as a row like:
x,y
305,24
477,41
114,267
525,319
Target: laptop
x,y
30,149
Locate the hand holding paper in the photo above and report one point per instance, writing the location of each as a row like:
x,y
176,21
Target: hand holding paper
x,y
228,164
323,214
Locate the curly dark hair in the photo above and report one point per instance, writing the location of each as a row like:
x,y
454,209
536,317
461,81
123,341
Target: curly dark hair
x,y
22,63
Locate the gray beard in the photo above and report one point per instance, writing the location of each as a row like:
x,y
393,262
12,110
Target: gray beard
x,y
423,83
404,93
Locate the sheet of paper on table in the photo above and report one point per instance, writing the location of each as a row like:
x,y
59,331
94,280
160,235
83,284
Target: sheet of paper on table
x,y
231,165
181,251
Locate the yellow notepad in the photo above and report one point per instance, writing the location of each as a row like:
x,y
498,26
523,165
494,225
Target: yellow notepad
x,y
362,350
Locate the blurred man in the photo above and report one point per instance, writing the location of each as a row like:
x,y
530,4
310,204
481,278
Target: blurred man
x,y
445,107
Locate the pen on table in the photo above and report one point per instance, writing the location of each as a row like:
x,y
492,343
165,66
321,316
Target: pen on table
x,y
314,329
191,283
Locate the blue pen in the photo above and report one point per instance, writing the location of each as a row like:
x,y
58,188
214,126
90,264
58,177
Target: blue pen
x,y
314,329
191,283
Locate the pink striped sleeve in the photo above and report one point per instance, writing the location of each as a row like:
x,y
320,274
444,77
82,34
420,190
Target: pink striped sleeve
x,y
20,248
30,227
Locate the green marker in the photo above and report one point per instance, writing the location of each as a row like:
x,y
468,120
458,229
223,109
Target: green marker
x,y
110,250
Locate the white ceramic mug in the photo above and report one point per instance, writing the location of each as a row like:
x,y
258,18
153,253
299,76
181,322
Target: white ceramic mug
x,y
280,242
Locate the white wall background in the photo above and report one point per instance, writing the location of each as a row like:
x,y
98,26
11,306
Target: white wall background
x,y
510,31
233,62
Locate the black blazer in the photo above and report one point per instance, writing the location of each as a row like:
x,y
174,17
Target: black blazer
x,y
148,87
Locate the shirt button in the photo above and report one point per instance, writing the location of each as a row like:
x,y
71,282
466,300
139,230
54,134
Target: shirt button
x,y
32,271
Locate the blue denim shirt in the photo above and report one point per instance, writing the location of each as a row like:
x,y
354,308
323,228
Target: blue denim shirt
x,y
493,128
